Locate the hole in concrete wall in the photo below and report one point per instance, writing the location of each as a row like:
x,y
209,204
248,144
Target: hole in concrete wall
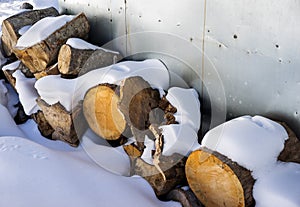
x,y
159,20
108,9
208,30
235,36
277,46
110,20
191,39
220,45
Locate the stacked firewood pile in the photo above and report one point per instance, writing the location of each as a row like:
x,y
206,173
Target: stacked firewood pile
x,y
117,111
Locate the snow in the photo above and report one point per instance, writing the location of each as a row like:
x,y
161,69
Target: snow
x,y
147,154
32,175
280,187
68,92
112,159
179,138
8,126
24,29
27,92
11,66
83,45
42,29
188,106
253,142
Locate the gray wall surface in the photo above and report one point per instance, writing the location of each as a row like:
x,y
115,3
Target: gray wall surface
x,y
242,56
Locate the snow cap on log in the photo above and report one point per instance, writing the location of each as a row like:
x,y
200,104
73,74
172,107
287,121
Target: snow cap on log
x,y
38,48
253,142
77,57
13,24
69,92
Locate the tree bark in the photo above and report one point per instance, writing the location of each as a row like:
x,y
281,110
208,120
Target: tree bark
x,y
43,54
44,127
173,168
62,122
12,25
100,108
137,100
72,61
291,151
186,197
217,181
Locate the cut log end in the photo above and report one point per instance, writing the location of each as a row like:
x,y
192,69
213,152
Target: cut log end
x,y
217,181
100,107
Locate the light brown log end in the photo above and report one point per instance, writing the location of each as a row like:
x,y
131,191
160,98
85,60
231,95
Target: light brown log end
x,y
217,181
100,108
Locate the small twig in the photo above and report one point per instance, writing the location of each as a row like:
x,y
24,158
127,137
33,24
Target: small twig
x,y
158,148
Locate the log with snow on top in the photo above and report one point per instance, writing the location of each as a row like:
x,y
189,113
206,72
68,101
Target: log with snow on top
x,y
9,69
69,92
78,57
15,26
232,156
38,47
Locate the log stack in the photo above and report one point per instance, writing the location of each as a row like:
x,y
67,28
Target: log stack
x,y
41,55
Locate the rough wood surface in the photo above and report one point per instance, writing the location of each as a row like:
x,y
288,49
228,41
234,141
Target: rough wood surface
x,y
73,61
291,151
43,54
62,121
186,197
13,24
44,127
52,70
137,100
217,181
173,168
100,108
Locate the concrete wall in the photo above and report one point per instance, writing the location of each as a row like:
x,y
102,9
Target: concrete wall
x,y
242,56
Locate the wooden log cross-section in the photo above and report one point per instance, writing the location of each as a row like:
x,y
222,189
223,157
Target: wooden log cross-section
x,y
100,108
12,25
73,61
43,54
217,181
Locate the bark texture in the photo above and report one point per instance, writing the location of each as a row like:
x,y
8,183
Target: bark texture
x,y
43,54
12,25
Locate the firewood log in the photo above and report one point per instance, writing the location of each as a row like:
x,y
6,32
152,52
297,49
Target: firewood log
x,y
217,181
43,54
12,25
44,127
8,73
100,108
62,122
73,61
173,168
